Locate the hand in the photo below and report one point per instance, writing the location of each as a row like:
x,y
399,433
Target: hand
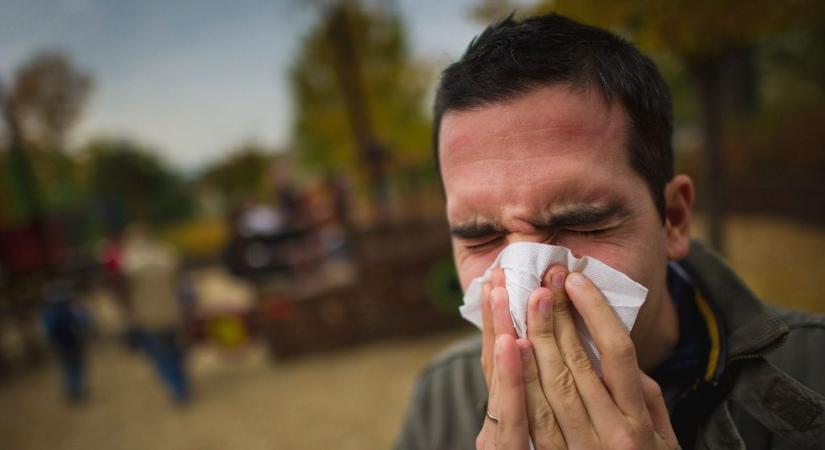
x,y
510,432
552,391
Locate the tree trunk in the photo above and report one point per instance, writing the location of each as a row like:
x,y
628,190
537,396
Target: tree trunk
x,y
347,64
20,166
707,74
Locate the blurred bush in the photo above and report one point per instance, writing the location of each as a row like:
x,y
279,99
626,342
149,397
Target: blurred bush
x,y
198,239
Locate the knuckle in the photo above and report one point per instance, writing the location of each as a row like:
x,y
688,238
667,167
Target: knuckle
x,y
564,386
561,305
544,415
543,332
624,350
654,390
578,359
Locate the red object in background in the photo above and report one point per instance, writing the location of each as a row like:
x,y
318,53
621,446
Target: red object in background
x,y
113,257
277,308
28,249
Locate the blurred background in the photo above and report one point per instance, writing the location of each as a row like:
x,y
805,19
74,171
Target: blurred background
x,y
220,225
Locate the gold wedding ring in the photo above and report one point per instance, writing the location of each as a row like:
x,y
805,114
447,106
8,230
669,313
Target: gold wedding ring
x,y
492,418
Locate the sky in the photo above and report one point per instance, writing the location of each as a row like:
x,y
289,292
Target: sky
x,y
192,79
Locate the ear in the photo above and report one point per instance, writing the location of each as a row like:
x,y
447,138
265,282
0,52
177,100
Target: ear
x,y
678,213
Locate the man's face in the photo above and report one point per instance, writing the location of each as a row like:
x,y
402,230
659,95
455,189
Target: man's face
x,y
551,167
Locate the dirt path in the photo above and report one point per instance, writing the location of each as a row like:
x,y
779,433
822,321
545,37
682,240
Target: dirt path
x,y
348,400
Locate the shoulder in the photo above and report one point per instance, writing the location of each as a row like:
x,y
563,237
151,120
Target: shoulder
x,y
460,355
799,320
801,355
447,405
805,329
454,378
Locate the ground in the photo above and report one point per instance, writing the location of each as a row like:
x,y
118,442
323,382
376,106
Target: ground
x,y
352,399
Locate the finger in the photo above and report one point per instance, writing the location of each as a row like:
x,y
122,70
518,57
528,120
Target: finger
x,y
488,334
502,320
600,408
618,355
486,437
556,379
492,401
512,429
498,278
659,415
544,430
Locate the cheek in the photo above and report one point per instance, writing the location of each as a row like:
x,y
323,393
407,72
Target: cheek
x,y
638,260
470,266
618,257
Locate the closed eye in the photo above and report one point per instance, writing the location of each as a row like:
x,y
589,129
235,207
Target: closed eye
x,y
588,233
484,245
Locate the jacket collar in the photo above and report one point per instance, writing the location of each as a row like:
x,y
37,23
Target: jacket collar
x,y
781,404
751,328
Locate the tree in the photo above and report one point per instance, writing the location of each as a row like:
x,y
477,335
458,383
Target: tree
x,y
359,96
240,176
47,99
133,183
710,39
39,109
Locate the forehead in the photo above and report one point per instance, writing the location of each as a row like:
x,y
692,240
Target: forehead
x,y
557,140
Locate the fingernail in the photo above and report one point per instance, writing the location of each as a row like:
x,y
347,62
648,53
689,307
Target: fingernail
x,y
544,305
558,279
525,353
576,279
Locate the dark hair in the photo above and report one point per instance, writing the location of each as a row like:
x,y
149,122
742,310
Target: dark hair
x,y
511,59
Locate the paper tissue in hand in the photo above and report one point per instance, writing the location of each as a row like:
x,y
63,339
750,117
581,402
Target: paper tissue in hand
x,y
524,264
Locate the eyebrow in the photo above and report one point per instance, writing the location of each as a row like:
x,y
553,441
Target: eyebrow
x,y
475,230
587,215
579,215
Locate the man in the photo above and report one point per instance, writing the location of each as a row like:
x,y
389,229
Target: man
x,y
151,268
554,132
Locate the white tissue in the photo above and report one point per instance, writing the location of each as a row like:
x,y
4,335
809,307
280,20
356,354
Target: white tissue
x,y
524,264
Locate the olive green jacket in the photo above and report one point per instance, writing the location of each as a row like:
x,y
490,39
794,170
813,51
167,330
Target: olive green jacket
x,y
772,394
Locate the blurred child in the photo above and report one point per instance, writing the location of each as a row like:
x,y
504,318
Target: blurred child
x,y
66,322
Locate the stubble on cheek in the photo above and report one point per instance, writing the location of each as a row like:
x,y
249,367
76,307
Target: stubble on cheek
x,y
470,266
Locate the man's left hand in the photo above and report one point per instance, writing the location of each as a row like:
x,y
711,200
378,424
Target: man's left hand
x,y
546,388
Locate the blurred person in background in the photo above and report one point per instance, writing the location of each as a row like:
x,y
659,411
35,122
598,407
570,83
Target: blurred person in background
x,y
66,323
551,131
152,271
112,260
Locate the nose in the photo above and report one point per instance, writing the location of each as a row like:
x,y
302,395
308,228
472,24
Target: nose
x,y
537,235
